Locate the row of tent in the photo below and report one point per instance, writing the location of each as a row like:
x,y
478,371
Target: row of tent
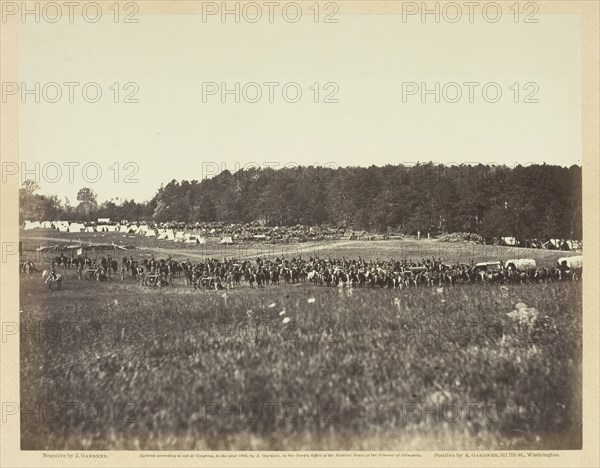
x,y
561,244
80,248
38,225
104,225
177,236
63,226
186,238
180,236
551,244
143,230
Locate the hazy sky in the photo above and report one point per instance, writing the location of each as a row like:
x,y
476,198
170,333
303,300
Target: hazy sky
x,y
172,134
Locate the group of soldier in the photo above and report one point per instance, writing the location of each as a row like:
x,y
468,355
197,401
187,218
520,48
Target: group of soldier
x,y
213,273
262,272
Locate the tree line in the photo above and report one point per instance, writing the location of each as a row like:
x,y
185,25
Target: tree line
x,y
527,202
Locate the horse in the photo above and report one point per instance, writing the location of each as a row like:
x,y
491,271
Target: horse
x,y
48,279
236,276
316,277
28,267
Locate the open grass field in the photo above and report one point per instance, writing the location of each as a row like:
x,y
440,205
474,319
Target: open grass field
x,y
116,365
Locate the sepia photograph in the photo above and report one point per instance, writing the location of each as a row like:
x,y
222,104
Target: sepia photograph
x,y
261,230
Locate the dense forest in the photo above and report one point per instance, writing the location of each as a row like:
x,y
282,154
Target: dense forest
x,y
527,202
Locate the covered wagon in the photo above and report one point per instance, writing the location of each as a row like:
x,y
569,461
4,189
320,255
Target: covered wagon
x,y
520,264
575,263
488,266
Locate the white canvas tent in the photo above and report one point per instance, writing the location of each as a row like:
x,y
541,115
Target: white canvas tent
x,y
227,240
509,240
150,233
63,227
192,240
90,229
46,224
76,227
179,236
167,234
31,225
555,243
574,244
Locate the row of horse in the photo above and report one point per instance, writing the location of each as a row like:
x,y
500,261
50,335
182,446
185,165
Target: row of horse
x,y
224,273
82,262
390,274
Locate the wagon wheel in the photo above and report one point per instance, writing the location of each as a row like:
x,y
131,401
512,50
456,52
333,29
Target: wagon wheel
x,y
575,276
148,280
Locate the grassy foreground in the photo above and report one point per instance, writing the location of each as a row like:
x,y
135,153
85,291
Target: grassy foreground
x,y
119,366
